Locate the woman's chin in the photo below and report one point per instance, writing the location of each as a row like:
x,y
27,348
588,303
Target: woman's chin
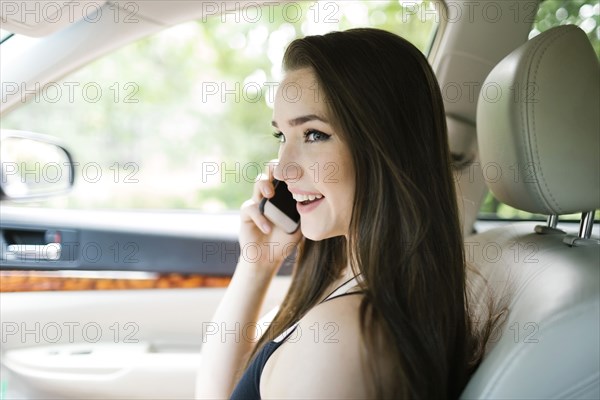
x,y
317,234
313,234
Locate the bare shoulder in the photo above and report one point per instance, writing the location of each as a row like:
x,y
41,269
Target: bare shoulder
x,y
323,358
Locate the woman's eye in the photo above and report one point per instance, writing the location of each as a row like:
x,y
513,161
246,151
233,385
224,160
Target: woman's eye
x,y
315,136
279,136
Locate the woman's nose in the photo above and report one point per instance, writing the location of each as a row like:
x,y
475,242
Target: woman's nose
x,y
288,168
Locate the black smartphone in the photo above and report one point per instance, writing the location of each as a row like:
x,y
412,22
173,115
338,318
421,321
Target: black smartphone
x,y
281,208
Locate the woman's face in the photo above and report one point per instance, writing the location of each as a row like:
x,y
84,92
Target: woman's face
x,y
313,160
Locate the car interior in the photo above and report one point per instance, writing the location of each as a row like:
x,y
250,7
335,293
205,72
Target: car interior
x,y
95,320
548,346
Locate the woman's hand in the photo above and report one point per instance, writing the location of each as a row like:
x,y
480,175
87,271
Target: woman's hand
x,y
264,247
261,242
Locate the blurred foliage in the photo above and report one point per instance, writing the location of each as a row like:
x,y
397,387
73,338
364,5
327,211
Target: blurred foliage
x,y
159,136
583,13
180,123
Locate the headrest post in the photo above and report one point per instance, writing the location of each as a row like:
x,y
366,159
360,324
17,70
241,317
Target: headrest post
x,y
552,221
585,226
550,226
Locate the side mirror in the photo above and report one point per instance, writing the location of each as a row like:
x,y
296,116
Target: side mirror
x,y
33,166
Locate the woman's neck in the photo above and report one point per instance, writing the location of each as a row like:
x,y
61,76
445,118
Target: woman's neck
x,y
345,276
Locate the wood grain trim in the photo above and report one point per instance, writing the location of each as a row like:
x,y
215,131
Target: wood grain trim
x,y
35,281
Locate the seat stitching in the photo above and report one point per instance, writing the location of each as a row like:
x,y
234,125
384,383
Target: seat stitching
x,y
533,148
524,124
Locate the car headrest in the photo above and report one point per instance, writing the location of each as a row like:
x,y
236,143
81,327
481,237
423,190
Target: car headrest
x,y
538,126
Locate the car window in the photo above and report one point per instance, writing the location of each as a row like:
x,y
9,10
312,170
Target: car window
x,y
551,13
181,119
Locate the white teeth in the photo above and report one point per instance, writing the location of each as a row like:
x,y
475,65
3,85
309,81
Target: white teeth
x,y
306,197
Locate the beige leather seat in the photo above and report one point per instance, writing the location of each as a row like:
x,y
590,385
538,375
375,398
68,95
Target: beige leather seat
x,y
543,137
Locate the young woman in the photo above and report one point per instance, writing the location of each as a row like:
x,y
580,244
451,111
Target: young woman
x,y
380,269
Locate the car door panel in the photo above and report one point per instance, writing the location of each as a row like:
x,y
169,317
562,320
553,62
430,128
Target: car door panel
x,y
114,325
155,242
109,343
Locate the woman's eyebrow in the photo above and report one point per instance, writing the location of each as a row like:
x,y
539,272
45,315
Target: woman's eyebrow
x,y
302,119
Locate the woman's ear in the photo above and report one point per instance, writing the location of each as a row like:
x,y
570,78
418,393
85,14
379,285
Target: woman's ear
x,y
469,182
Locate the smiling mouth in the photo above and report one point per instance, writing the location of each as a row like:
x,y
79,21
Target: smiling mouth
x,y
306,206
306,202
306,198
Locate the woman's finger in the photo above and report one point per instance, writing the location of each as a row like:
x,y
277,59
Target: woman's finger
x,y
271,169
262,188
251,213
264,183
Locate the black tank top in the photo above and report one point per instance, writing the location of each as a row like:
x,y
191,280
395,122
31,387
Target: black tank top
x,y
248,387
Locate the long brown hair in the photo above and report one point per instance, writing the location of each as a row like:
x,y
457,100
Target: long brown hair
x,y
404,236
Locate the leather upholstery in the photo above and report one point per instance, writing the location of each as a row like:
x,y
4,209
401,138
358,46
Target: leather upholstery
x,y
538,126
549,344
